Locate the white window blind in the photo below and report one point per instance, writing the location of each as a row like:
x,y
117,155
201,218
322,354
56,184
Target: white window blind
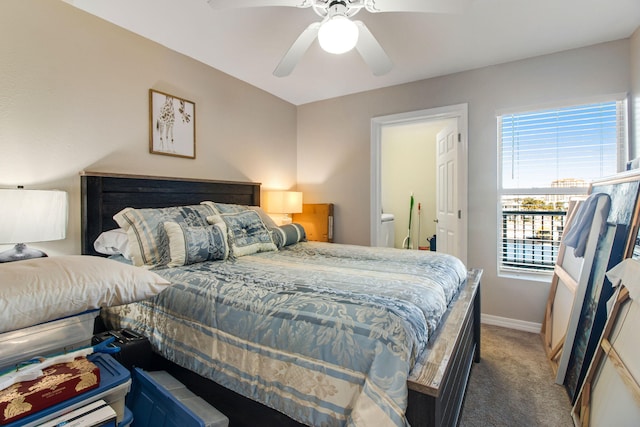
x,y
561,147
547,157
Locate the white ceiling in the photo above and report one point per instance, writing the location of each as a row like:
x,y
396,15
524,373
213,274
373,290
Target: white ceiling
x,y
249,43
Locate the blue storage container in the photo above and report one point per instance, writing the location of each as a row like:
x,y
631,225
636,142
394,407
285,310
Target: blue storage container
x,y
115,382
159,400
127,419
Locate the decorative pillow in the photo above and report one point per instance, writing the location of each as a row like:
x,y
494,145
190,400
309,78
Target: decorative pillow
x,y
288,234
113,242
43,289
268,221
148,239
247,233
223,208
189,245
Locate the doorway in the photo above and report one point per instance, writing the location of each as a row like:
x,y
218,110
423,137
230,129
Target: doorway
x,y
381,128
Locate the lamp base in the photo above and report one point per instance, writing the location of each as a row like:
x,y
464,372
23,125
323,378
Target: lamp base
x,y
285,219
20,252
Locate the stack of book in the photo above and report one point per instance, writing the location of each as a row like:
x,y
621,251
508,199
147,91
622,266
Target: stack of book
x,y
96,414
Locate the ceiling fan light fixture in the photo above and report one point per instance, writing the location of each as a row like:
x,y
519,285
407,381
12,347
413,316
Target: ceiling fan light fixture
x,y
338,35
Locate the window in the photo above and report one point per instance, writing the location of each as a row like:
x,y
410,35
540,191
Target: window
x,y
547,158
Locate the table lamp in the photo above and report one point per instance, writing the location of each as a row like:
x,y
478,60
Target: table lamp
x,y
31,216
283,203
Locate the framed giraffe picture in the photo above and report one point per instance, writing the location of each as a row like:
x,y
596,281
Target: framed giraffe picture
x,y
172,125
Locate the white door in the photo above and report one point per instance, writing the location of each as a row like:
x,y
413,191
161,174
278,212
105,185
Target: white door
x,y
458,112
448,221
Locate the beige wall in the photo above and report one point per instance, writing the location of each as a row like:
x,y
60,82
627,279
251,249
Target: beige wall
x,y
334,148
408,165
635,94
74,96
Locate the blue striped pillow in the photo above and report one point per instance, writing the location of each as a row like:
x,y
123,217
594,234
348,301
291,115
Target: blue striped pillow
x,y
288,234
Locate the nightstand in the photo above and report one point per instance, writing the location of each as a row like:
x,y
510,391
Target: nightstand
x,y
317,220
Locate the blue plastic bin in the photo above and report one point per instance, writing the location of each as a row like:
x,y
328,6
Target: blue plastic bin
x,y
127,419
159,400
115,382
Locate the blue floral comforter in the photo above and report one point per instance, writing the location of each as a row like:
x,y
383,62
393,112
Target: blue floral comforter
x,y
322,332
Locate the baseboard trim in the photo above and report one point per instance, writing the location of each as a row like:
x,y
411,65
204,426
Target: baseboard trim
x,y
505,322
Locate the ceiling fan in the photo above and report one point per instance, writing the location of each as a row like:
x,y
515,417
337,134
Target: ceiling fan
x,y
337,33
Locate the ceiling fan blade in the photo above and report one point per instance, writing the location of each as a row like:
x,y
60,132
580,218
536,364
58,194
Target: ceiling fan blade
x,y
297,49
227,4
372,52
429,6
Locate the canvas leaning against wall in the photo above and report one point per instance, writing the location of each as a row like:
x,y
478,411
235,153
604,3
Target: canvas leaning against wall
x,y
614,245
172,125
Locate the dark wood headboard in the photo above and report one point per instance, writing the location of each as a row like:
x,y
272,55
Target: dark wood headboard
x,y
104,195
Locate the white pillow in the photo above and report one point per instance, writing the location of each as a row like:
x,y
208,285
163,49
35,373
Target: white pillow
x,y
43,289
113,242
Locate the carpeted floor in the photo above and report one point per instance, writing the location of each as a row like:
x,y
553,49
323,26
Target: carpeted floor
x,y
513,385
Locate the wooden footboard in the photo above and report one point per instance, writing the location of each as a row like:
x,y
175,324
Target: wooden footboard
x,y
436,391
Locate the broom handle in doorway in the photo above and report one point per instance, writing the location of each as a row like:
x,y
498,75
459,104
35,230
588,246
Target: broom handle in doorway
x,y
419,207
407,240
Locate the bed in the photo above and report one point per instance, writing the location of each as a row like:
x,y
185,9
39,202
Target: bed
x,y
436,383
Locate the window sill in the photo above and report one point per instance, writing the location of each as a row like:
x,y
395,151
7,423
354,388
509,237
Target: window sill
x,y
544,277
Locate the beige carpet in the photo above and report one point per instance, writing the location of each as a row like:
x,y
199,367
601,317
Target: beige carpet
x,y
513,385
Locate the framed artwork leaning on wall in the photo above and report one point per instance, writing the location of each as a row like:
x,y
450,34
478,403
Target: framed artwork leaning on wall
x,y
172,125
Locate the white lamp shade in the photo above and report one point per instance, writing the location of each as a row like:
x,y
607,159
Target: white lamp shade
x,y
283,202
338,35
32,215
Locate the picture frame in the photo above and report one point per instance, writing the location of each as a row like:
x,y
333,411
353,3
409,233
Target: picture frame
x,y
172,125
